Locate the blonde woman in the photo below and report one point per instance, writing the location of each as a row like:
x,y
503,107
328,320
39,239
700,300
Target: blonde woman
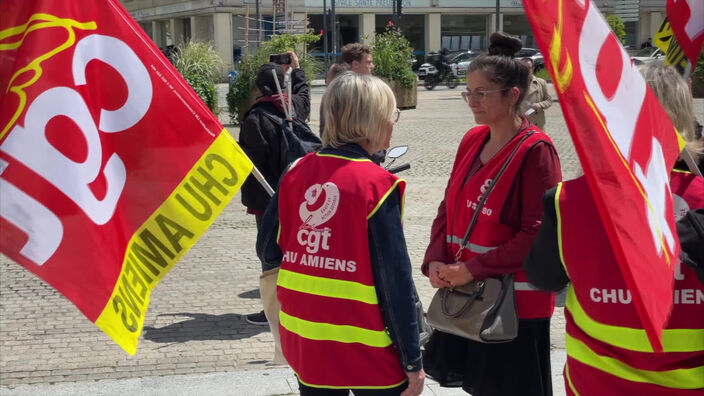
x,y
347,319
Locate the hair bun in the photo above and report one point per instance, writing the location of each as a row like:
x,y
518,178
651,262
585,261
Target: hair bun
x,y
504,45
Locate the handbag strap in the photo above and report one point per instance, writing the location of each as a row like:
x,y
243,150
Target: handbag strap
x,y
485,195
472,297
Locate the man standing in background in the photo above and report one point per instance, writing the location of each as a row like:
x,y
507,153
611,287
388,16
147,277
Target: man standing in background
x,y
537,99
359,57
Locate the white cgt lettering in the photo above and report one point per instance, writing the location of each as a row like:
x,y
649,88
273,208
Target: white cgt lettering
x,y
313,239
42,226
29,145
620,111
120,56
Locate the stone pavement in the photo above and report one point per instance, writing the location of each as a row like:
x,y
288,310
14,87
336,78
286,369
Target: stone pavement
x,y
195,330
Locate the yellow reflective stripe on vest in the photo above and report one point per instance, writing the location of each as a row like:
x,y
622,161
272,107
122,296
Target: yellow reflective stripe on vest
x,y
318,154
692,378
673,340
569,379
330,332
383,198
558,214
327,287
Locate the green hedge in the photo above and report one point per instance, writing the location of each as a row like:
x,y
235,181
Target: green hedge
x,y
201,67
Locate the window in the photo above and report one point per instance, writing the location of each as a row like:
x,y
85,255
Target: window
x,y
463,32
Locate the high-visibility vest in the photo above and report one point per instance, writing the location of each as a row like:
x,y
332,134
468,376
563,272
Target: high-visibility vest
x,y
608,352
332,330
462,197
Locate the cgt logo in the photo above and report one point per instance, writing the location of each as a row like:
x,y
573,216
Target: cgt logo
x,y
319,206
27,141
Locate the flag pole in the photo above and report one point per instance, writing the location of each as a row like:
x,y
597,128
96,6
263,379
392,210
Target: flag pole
x,y
260,178
689,160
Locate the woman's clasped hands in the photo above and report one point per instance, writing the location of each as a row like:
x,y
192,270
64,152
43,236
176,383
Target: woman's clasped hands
x,y
448,275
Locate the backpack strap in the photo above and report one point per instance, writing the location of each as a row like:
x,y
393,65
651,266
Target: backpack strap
x,y
277,119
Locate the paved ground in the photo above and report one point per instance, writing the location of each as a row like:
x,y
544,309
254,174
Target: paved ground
x,y
195,338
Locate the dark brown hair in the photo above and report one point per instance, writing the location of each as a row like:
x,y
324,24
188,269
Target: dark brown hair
x,y
500,67
265,79
354,52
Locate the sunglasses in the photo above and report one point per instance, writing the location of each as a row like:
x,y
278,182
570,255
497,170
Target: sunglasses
x,y
397,115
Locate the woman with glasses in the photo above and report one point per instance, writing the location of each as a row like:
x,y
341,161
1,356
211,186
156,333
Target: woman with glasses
x,y
347,318
503,233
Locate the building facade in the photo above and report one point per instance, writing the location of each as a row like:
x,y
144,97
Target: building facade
x,y
429,25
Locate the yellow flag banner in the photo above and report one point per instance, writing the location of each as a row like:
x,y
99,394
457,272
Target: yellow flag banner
x,y
111,167
667,42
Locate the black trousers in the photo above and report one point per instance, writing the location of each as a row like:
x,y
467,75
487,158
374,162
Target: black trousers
x,y
311,391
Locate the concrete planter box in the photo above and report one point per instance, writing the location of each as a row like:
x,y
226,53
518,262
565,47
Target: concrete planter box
x,y
406,98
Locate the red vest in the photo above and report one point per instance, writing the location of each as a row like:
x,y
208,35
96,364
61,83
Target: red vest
x,y
489,232
608,352
687,191
332,330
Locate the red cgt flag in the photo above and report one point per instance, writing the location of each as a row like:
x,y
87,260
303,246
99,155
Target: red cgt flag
x,y
111,167
625,142
687,20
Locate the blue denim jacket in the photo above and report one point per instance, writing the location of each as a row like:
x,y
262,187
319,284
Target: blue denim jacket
x,y
391,265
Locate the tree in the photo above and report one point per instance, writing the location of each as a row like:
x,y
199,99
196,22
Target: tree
x,y
618,27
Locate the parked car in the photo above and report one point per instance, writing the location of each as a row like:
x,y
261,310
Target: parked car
x,y
534,55
461,61
648,55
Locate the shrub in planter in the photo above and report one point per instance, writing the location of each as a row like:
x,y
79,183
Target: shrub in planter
x,y
205,89
392,55
201,67
239,95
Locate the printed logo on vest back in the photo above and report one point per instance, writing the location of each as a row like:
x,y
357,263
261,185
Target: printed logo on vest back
x,y
319,206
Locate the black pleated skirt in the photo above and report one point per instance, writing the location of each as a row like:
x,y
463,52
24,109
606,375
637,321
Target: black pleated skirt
x,y
520,367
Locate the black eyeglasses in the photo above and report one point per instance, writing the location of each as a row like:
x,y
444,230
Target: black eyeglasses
x,y
397,115
479,95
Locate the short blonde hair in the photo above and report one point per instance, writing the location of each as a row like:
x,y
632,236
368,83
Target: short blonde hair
x,y
673,93
357,107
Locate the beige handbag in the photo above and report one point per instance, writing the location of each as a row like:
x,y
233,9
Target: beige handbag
x,y
483,310
267,287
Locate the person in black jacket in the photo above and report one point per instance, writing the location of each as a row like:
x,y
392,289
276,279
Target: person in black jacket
x,y
260,136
